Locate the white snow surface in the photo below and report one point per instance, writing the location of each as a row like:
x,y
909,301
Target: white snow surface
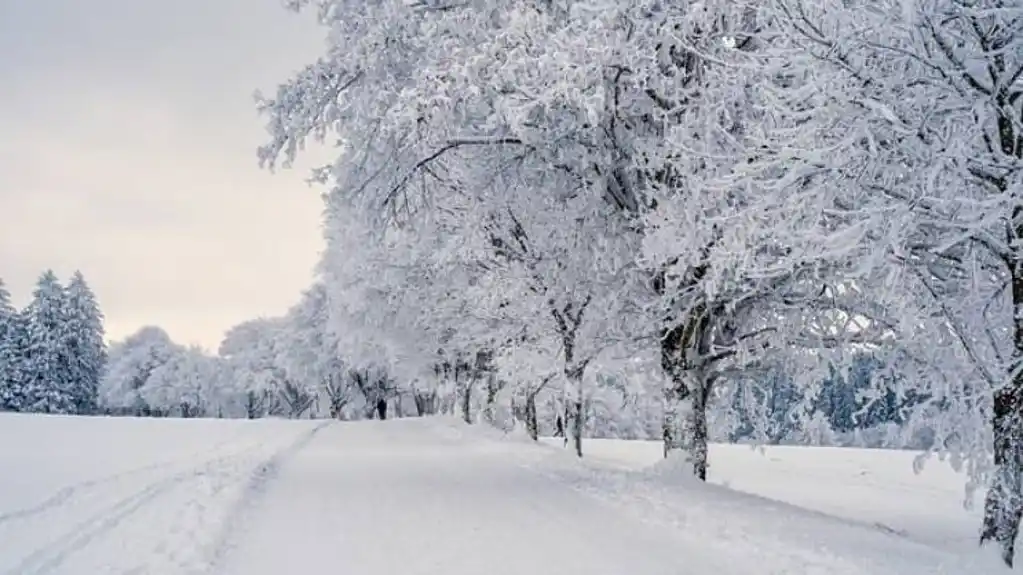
x,y
872,486
433,496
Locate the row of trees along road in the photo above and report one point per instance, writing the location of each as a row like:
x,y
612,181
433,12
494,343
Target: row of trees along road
x,y
719,189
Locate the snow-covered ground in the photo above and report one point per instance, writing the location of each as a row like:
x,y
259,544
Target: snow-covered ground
x,y
872,486
98,495
89,496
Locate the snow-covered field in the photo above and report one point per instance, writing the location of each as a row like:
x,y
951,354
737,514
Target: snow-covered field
x,y
98,495
89,496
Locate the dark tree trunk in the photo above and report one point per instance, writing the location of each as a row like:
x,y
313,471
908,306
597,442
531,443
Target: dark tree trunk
x,y
426,403
671,432
337,406
568,323
566,418
685,349
464,386
271,403
532,422
297,399
467,404
338,394
1003,506
696,426
577,427
577,415
494,387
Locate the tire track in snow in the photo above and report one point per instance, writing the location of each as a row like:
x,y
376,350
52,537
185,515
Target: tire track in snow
x,y
65,494
255,489
53,554
69,492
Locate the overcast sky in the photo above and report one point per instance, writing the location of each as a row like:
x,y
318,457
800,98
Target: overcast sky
x,y
127,150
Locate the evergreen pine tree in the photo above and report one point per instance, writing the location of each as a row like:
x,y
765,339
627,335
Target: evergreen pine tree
x,y
18,342
86,348
47,381
10,355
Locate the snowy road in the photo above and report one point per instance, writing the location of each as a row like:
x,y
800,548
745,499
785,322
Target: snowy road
x,y
410,499
89,496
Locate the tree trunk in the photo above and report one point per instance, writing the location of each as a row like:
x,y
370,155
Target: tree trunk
x,y
426,402
250,405
566,419
447,397
575,380
488,407
686,431
671,431
1003,506
684,351
568,322
577,427
465,394
494,387
532,422
337,406
695,427
467,404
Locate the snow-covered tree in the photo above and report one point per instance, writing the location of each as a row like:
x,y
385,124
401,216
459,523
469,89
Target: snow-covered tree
x,y
379,286
252,351
87,346
308,353
186,385
560,273
11,340
285,362
480,169
130,366
148,374
929,91
48,377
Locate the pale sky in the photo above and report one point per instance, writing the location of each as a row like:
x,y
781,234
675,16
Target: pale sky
x,y
127,150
